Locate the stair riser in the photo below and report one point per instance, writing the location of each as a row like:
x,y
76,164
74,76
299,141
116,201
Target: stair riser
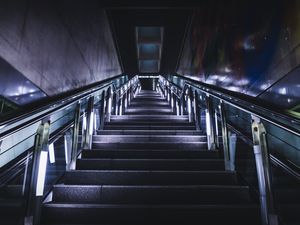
x,y
145,138
161,123
126,164
156,146
148,132
149,127
150,194
152,215
154,154
150,178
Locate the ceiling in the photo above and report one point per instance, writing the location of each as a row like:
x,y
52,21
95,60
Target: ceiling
x,y
173,21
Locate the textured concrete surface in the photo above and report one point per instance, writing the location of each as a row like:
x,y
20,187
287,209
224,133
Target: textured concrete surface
x,y
58,45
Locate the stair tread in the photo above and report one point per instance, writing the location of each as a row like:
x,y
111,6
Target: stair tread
x,y
147,206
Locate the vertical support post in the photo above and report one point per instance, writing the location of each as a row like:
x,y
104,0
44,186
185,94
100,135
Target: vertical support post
x,y
89,124
181,105
209,124
129,93
102,110
123,103
197,111
121,106
109,104
268,212
189,105
232,149
216,129
166,91
68,147
113,104
172,101
177,106
117,104
225,136
125,100
38,174
72,165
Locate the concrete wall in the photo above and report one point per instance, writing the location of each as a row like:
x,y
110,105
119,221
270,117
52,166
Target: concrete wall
x,y
59,45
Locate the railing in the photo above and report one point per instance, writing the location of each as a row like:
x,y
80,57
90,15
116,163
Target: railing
x,y
38,147
274,137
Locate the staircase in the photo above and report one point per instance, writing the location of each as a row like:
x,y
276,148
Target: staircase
x,y
150,166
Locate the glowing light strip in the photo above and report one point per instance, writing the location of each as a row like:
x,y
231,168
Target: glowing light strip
x,y
84,122
207,122
189,106
41,174
66,149
51,153
109,106
91,130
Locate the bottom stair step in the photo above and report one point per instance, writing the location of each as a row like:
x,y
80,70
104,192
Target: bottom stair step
x,y
151,214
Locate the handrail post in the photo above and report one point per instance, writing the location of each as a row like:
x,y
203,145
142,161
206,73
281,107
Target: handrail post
x,y
89,124
166,90
39,166
225,136
117,103
177,106
169,96
102,110
109,104
72,165
268,213
68,136
121,106
172,102
129,93
189,104
209,124
197,111
181,105
126,97
113,99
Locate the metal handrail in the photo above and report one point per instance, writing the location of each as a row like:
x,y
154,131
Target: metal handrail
x,y
44,111
259,114
244,106
118,90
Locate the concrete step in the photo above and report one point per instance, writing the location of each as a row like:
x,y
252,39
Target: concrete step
x,y
149,127
150,154
147,138
163,104
146,177
150,194
151,145
149,132
150,164
150,214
